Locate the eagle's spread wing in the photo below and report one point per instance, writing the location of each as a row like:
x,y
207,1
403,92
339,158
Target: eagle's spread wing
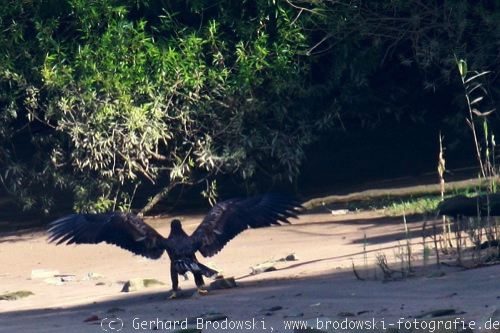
x,y
228,218
124,230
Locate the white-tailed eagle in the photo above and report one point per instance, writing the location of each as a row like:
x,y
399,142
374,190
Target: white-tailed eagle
x,y
223,222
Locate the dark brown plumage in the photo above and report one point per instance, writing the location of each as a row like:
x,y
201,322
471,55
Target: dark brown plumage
x,y
224,222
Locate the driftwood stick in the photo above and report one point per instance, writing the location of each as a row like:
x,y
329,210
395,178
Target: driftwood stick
x,y
397,192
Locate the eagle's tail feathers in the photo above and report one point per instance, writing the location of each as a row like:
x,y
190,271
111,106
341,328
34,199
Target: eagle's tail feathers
x,y
207,271
188,265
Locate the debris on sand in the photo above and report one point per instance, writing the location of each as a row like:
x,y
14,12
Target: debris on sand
x,y
59,279
268,266
289,257
66,277
139,284
274,308
15,295
43,273
55,281
437,313
339,212
92,276
91,319
223,283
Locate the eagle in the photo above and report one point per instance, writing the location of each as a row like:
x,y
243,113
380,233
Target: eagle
x,y
223,222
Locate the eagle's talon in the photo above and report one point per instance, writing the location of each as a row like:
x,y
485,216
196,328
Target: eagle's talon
x,y
202,292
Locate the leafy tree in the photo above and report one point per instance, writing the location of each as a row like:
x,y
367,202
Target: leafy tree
x,y
111,100
396,59
165,94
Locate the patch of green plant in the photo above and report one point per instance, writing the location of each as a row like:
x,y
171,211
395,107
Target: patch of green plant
x,y
421,205
152,282
407,205
12,296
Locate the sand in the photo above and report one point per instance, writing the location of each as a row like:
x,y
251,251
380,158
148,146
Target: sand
x,y
320,284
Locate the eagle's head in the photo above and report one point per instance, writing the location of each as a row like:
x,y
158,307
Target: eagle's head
x,y
176,225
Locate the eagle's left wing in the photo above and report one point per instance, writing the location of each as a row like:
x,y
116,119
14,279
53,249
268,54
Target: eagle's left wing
x,y
229,218
124,230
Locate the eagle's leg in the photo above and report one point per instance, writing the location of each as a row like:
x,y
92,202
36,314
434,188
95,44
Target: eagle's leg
x,y
175,281
198,279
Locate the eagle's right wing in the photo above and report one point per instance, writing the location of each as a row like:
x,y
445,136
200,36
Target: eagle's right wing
x,y
229,218
124,230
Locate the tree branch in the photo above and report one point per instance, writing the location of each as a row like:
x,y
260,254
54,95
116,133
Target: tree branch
x,y
157,198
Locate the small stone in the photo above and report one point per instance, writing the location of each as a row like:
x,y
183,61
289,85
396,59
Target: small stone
x,y
437,313
91,318
274,308
224,283
289,257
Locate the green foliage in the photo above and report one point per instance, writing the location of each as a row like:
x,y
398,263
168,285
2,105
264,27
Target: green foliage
x,y
423,205
475,93
106,101
128,97
394,59
400,206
